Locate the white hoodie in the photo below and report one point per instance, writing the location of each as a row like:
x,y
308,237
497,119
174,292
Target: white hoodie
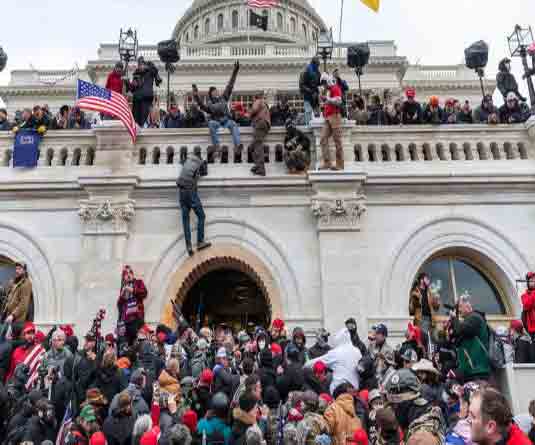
x,y
343,360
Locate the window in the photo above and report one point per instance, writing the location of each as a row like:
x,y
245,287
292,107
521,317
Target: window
x,y
279,21
265,13
293,26
314,36
235,20
455,275
196,32
305,32
220,23
7,270
207,27
186,37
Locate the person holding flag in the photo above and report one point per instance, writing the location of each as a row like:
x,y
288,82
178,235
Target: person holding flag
x,y
30,353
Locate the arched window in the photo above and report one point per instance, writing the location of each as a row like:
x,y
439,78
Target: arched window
x,y
454,275
207,27
293,25
220,23
279,21
196,32
265,13
305,33
186,37
235,20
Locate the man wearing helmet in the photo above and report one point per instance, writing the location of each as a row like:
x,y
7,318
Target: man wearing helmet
x,y
528,306
332,111
420,420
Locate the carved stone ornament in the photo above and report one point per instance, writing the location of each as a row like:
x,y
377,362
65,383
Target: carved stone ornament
x,y
106,217
339,214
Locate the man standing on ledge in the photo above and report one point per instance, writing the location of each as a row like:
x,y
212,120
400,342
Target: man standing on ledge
x,y
19,297
193,168
332,111
261,120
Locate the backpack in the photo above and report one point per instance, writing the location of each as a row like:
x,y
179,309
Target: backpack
x,y
495,351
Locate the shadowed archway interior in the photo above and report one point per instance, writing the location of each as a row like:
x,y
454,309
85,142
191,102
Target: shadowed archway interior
x,y
228,285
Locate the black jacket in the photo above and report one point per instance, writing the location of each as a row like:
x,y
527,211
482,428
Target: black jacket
x,y
118,429
143,82
309,83
218,107
520,113
225,381
83,376
292,140
318,350
171,121
194,119
108,380
37,431
61,396
409,111
293,379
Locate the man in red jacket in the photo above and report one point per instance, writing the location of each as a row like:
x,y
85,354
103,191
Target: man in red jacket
x,y
492,420
528,305
115,79
332,111
30,352
131,303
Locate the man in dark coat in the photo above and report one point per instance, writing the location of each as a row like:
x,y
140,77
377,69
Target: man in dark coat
x,y
321,346
309,83
293,377
296,148
142,86
224,379
84,370
42,425
513,111
506,81
411,111
119,425
174,118
280,113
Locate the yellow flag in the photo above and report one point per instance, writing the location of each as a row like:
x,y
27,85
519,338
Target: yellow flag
x,y
372,4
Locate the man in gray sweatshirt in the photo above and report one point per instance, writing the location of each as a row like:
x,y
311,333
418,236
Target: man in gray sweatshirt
x,y
192,170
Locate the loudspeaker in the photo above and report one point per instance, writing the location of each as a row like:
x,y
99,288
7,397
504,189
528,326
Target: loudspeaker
x,y
168,51
477,55
358,55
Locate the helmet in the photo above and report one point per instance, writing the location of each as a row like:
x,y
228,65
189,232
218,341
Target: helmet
x,y
219,401
402,386
410,355
511,96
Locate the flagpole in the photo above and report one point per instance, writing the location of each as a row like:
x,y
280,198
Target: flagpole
x,y
341,16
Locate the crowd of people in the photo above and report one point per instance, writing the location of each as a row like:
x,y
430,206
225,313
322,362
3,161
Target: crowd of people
x,y
187,384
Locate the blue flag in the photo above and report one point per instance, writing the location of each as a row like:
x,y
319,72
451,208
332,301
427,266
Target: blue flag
x,y
26,148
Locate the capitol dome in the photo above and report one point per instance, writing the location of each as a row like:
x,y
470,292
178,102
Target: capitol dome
x,y
226,21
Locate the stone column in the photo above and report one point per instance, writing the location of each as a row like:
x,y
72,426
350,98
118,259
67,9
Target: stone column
x,y
339,206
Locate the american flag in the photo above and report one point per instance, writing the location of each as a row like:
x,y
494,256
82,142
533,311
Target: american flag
x,y
95,98
262,3
33,360
65,425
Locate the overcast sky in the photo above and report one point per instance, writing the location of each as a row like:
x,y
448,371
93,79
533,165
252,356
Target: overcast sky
x,y
57,33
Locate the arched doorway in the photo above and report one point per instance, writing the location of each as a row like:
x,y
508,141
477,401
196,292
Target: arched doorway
x,y
228,296
228,283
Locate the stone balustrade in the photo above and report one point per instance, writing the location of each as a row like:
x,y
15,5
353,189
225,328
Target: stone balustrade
x,y
365,147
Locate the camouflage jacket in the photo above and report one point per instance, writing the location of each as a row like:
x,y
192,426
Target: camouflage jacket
x,y
431,422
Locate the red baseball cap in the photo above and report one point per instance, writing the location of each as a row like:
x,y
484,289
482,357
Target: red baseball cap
x,y
410,92
28,327
278,324
276,349
207,377
319,368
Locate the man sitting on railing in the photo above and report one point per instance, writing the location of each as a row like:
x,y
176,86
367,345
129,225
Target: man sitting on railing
x,y
486,113
217,108
296,149
513,111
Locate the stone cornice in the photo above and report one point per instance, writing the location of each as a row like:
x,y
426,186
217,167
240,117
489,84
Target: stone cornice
x,y
33,90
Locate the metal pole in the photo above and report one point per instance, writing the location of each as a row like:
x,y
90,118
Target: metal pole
x,y
168,68
529,80
341,16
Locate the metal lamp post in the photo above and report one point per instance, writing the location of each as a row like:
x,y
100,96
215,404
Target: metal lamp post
x,y
520,45
169,53
325,46
128,49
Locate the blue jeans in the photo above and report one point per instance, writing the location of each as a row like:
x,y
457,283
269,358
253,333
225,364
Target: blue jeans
x,y
309,112
189,200
225,123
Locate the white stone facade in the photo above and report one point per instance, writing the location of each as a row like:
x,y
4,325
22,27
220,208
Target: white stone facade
x,y
332,244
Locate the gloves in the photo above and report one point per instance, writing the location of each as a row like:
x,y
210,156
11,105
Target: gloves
x,y
323,439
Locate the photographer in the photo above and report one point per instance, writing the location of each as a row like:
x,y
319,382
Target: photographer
x,y
471,335
192,170
142,86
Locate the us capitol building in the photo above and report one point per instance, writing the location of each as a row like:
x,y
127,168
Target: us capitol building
x,y
456,201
